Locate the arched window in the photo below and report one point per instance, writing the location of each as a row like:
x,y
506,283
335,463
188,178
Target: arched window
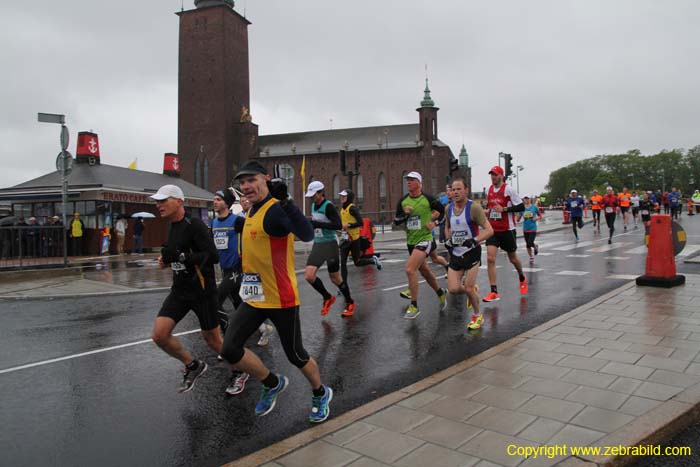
x,y
382,185
404,185
205,174
360,188
287,175
197,172
336,188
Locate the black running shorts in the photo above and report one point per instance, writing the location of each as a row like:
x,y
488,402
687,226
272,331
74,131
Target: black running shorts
x,y
464,263
426,246
503,240
323,252
176,306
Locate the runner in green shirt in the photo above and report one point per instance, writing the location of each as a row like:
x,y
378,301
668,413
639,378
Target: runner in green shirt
x,y
419,211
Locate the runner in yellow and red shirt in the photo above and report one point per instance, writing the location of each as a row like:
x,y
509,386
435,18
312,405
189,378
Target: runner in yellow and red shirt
x,y
596,201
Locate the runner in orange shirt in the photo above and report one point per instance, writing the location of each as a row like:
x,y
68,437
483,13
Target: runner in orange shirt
x,y
625,201
596,201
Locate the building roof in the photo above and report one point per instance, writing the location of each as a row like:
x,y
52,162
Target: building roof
x,y
107,177
363,139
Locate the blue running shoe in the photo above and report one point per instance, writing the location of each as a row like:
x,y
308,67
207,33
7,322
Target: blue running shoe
x,y
321,406
268,397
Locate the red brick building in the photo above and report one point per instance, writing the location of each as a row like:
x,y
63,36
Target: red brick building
x,y
216,134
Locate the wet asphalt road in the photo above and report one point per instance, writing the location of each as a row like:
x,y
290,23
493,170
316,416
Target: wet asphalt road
x,y
120,407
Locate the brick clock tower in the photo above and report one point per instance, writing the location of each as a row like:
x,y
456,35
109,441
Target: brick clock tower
x,y
215,130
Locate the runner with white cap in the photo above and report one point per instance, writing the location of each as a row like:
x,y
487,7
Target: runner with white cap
x,y
191,254
420,212
325,220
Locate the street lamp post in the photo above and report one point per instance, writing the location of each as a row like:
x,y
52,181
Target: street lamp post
x,y
64,164
520,169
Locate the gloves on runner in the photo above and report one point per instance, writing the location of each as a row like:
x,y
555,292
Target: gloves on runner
x,y
469,243
278,189
169,255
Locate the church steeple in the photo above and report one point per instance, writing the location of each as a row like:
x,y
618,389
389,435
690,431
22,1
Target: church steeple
x,y
427,114
463,157
427,100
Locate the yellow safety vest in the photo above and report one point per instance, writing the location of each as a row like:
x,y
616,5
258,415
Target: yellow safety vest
x,y
347,218
76,228
269,279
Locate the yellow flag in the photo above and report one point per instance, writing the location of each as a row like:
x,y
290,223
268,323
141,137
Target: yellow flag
x,y
303,171
132,166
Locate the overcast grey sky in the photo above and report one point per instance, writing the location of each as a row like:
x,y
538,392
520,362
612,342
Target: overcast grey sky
x,y
549,81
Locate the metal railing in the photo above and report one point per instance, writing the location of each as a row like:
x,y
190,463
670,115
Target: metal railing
x,y
31,245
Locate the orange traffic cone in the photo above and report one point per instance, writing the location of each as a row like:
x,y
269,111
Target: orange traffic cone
x,y
661,262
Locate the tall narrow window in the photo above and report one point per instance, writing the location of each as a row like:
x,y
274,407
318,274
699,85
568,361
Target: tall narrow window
x,y
336,188
360,188
197,172
205,174
404,185
287,174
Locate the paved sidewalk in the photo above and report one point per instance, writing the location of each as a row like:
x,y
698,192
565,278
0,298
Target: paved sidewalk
x,y
621,370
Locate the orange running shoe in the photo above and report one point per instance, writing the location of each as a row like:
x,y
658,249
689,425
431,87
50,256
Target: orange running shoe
x,y
523,287
491,297
327,304
349,310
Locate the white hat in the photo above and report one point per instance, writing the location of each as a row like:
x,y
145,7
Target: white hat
x,y
343,193
314,187
169,191
573,190
415,175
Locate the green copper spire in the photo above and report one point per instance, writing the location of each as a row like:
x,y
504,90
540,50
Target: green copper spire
x,y
427,100
463,157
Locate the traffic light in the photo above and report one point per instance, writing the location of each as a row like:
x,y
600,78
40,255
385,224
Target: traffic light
x,y
342,161
508,164
454,165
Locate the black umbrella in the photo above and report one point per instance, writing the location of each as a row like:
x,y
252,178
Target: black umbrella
x,y
10,220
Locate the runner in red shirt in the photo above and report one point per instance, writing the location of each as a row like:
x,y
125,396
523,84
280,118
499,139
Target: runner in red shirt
x,y
610,204
503,203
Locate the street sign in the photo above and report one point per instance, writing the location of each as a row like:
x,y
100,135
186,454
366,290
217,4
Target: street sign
x,y
64,160
679,238
64,137
51,118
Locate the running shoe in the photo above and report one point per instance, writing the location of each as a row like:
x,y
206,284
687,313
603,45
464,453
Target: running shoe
x,y
238,380
265,335
320,406
625,228
327,304
476,322
190,376
411,312
609,241
268,397
491,297
523,287
377,263
349,310
406,294
443,299
537,249
576,235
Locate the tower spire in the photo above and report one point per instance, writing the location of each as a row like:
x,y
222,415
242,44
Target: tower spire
x,y
427,100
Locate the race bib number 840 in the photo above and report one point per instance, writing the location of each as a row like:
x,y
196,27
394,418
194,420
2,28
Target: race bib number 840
x,y
251,288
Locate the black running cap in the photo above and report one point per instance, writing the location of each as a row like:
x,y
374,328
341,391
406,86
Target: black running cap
x,y
251,168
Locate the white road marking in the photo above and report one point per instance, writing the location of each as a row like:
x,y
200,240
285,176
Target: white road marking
x,y
640,250
498,266
622,276
571,273
689,250
91,352
577,256
617,257
532,269
544,254
604,248
573,247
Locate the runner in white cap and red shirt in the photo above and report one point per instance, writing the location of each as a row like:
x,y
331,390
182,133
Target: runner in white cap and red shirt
x,y
503,203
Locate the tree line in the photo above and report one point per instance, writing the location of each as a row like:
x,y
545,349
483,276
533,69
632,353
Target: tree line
x,y
678,168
